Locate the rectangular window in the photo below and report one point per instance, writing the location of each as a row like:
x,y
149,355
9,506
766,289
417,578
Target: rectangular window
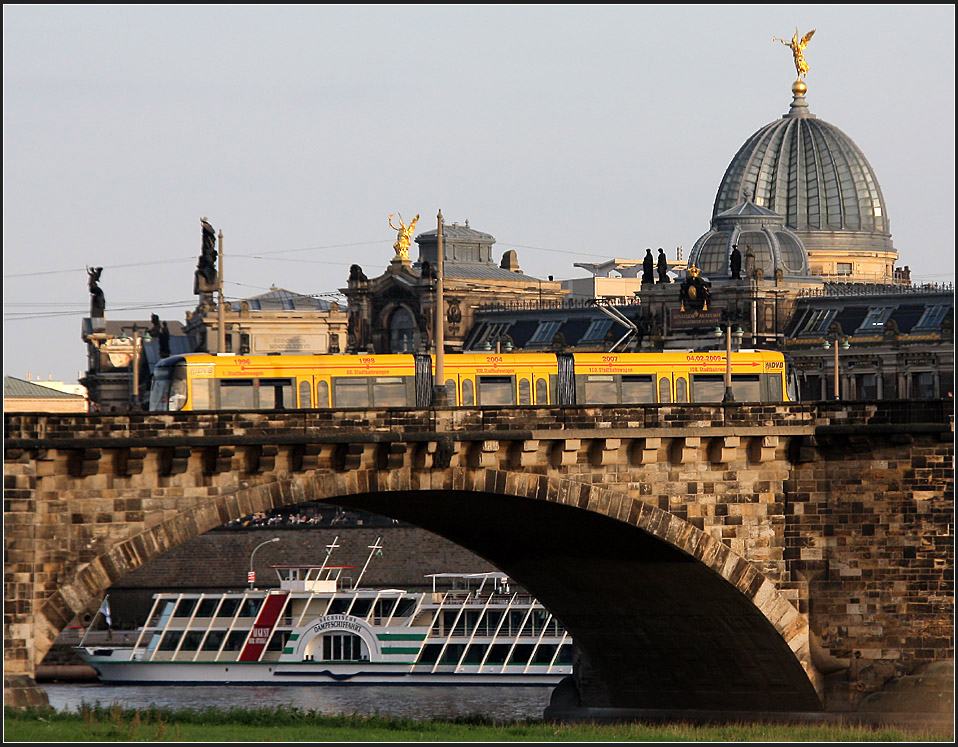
x,y
350,392
748,388
496,390
638,389
600,390
201,394
597,331
389,391
923,385
276,394
875,319
931,317
214,639
544,333
708,387
237,394
843,268
192,640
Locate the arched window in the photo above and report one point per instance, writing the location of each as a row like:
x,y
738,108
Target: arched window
x,y
402,331
305,400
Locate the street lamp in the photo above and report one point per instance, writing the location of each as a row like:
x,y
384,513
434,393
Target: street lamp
x,y
138,341
251,577
503,344
840,341
728,397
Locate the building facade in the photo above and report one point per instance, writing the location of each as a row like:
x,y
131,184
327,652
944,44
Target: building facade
x,y
396,312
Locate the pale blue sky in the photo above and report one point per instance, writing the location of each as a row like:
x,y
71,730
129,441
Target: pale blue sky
x,y
569,132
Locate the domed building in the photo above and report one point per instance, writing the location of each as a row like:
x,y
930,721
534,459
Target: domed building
x,y
767,248
815,176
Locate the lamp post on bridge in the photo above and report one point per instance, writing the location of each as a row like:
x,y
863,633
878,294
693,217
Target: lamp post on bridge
x,y
836,340
729,334
251,577
138,341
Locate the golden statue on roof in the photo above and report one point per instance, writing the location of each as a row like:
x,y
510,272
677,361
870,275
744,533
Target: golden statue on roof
x,y
798,48
402,242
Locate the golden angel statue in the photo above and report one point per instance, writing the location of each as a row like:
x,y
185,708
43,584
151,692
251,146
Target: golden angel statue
x,y
402,242
798,48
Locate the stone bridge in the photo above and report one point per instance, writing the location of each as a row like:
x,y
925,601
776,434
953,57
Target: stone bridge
x,y
785,557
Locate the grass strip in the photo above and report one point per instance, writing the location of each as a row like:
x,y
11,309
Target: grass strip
x,y
283,724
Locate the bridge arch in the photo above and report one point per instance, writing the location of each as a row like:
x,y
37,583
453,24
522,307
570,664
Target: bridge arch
x,y
667,614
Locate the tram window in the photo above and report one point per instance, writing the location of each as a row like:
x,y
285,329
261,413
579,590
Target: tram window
x,y
350,392
542,392
322,394
496,390
237,394
389,391
468,397
276,394
665,392
305,395
747,388
681,390
451,391
207,608
525,392
214,639
708,387
192,640
638,389
178,390
201,394
600,390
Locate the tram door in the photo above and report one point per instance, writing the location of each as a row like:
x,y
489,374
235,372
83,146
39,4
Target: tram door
x,y
673,387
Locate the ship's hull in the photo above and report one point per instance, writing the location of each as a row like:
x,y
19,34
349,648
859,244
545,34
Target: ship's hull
x,y
276,673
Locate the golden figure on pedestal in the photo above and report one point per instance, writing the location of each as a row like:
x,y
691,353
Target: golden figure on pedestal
x,y
798,48
402,242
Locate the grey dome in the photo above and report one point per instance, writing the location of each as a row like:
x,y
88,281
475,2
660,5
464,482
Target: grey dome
x,y
775,247
815,176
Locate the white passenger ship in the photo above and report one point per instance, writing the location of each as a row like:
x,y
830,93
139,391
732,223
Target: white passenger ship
x,y
480,629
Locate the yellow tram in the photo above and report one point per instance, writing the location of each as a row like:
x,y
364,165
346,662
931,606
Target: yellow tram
x,y
201,381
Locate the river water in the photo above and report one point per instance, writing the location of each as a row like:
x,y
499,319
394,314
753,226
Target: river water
x,y
513,703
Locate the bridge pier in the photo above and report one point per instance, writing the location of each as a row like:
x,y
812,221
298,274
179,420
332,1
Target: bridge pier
x,y
21,691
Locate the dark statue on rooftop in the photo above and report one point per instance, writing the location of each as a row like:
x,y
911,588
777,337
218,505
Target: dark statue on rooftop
x,y
205,277
97,299
663,267
648,268
735,263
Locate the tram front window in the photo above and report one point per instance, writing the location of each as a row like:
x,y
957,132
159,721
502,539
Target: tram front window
x,y
168,392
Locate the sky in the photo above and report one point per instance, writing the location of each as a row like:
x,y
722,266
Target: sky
x,y
571,133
